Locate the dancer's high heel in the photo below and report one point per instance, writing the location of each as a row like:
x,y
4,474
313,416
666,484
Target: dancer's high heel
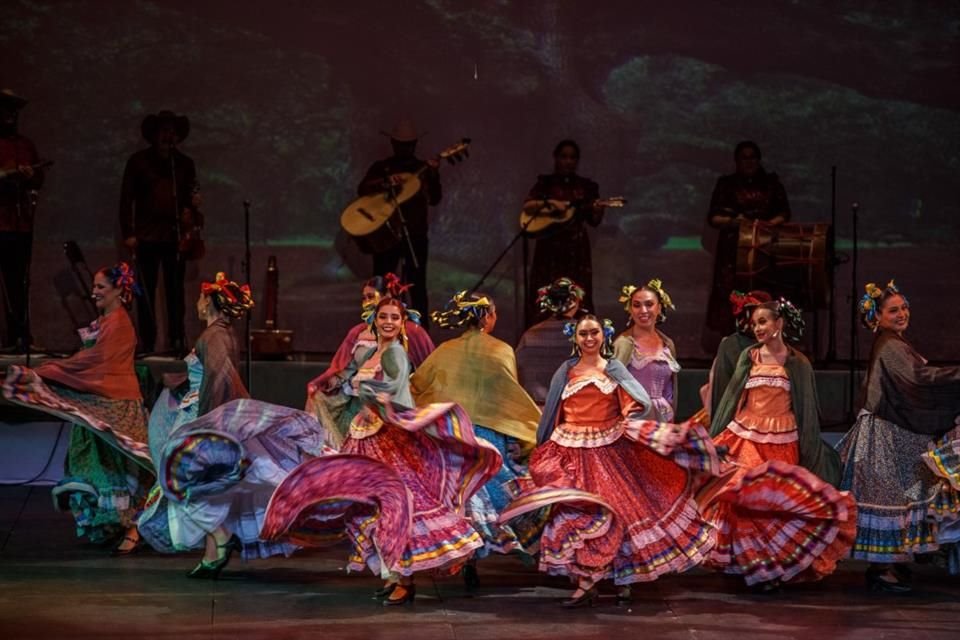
x,y
211,570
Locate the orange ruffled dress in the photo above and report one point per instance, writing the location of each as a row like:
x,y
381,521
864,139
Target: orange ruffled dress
x,y
620,510
775,520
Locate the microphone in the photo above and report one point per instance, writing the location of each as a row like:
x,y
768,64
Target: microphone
x,y
855,207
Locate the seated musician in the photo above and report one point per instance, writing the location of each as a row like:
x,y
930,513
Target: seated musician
x,y
563,249
379,177
750,194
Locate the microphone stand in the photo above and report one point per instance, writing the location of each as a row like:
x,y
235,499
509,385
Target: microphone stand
x,y
855,210
248,364
28,346
832,257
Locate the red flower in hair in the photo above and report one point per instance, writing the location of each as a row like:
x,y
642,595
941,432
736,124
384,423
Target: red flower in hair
x,y
394,287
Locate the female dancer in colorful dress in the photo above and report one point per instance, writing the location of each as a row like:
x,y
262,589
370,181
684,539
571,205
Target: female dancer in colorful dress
x,y
742,306
776,521
402,480
619,487
220,454
647,352
900,479
324,399
479,372
108,467
543,346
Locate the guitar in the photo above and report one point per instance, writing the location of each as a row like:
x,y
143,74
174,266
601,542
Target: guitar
x,y
371,219
14,172
540,215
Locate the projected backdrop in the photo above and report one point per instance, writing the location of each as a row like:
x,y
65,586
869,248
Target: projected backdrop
x,y
287,101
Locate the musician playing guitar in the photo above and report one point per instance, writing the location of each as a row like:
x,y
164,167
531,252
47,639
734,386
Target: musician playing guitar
x,y
22,176
563,249
750,194
413,248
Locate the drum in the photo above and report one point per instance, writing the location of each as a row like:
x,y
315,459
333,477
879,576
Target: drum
x,y
786,259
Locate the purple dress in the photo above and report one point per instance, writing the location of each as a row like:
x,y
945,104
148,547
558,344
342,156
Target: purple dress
x,y
655,371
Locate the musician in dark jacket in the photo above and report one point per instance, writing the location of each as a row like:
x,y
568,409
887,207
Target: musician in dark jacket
x,y
20,180
379,177
749,194
563,249
156,200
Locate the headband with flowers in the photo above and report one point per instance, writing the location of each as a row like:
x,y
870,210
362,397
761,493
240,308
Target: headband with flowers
x,y
869,305
370,311
609,331
462,310
655,285
228,297
560,296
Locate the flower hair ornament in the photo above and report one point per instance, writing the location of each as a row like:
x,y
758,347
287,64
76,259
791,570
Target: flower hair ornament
x,y
559,296
743,303
462,310
123,277
370,313
230,298
394,287
792,320
655,285
609,331
869,305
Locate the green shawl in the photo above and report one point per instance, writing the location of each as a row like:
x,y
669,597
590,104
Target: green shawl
x,y
815,454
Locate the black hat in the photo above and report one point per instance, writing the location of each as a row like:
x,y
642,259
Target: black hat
x,y
9,97
152,123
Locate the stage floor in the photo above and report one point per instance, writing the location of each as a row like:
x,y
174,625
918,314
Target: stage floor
x,y
54,586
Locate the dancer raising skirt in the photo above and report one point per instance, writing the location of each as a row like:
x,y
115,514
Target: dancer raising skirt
x,y
479,372
108,468
219,455
400,489
335,403
905,485
776,521
620,488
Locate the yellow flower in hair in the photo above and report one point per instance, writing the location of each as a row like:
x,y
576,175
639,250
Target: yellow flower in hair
x,y
626,292
868,304
873,290
657,285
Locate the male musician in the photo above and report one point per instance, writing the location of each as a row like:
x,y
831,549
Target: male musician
x,y
20,180
413,247
749,194
564,249
157,196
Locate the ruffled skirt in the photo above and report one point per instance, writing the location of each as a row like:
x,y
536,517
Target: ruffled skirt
x,y
485,505
398,491
775,520
221,469
902,484
108,469
624,510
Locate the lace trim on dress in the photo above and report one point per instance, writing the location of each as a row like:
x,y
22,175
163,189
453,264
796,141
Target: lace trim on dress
x,y
773,437
606,385
781,382
587,436
641,359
